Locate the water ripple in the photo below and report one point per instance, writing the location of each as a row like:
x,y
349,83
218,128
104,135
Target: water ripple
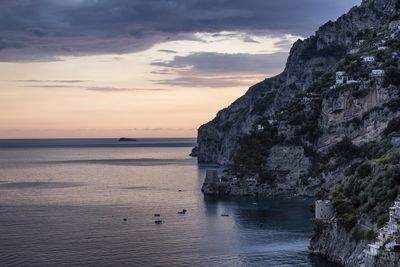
x,y
41,185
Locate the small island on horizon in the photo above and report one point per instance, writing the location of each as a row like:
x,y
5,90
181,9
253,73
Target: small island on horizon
x,y
125,139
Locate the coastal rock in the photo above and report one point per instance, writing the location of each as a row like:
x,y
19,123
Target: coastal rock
x,y
335,244
195,152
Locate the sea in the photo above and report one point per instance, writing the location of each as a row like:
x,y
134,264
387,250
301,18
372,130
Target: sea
x,y
91,202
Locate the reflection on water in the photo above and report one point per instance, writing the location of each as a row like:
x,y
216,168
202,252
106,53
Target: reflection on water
x,y
64,206
42,185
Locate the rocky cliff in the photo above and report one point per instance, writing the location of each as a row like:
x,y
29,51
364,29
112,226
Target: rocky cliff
x,y
308,61
328,125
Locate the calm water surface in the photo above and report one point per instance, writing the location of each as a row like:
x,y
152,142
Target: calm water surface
x,y
62,203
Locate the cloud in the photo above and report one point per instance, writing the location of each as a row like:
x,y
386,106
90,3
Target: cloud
x,y
116,89
210,62
198,81
167,51
45,30
249,39
53,81
158,129
97,89
218,69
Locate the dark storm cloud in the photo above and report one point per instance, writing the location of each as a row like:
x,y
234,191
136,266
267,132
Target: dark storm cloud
x,y
45,29
211,69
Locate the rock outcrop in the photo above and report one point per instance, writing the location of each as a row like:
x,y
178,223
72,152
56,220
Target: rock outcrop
x,y
336,244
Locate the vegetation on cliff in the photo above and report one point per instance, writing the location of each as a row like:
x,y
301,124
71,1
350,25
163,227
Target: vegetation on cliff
x,y
370,188
254,150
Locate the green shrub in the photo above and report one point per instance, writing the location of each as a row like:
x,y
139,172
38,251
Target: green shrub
x,y
392,76
254,150
364,170
335,51
310,49
311,208
349,220
393,126
344,150
318,227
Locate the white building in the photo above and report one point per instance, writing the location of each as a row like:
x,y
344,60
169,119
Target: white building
x,y
368,59
373,250
324,210
352,81
394,217
377,73
385,238
260,127
394,25
382,48
341,77
360,42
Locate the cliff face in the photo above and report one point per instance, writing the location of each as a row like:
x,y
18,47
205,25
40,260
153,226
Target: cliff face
x,y
335,244
305,132
308,61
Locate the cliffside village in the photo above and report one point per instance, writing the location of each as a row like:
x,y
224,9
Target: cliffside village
x,y
388,239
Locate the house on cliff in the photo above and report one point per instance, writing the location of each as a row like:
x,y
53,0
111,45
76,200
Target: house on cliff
x,y
368,59
341,77
324,210
387,241
377,73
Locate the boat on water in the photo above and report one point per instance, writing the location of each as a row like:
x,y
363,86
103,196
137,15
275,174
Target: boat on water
x,y
182,211
225,215
158,219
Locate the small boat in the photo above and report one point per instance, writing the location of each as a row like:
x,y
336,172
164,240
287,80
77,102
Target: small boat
x,y
179,190
125,219
157,215
182,212
158,221
225,215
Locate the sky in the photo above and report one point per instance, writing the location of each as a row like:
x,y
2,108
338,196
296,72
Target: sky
x,y
140,68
